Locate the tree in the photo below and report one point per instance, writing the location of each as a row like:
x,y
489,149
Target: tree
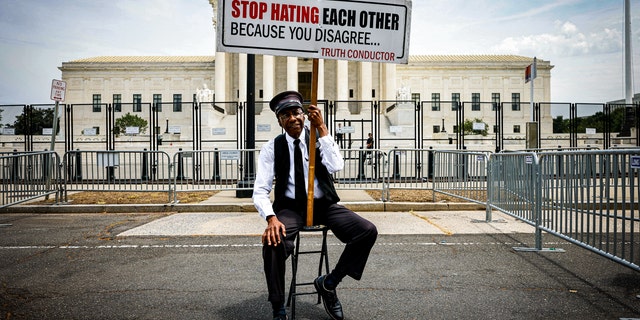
x,y
560,125
596,121
33,120
129,120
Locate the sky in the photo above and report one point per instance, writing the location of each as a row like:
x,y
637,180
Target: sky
x,y
583,39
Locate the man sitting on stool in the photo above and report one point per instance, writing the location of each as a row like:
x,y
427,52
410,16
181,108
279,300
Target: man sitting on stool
x,y
287,215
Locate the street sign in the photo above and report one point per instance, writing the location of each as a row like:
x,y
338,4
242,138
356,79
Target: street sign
x,y
58,89
370,30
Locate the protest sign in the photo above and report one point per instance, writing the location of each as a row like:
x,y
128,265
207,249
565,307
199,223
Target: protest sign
x,y
372,30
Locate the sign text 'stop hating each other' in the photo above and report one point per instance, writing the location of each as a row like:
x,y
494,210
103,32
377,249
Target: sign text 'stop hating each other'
x,y
373,30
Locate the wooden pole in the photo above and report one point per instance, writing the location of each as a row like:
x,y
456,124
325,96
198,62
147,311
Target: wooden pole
x,y
312,145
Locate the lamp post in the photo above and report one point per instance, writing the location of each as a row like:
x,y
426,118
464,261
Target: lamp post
x,y
166,130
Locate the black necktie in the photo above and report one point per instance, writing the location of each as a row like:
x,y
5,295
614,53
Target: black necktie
x,y
301,192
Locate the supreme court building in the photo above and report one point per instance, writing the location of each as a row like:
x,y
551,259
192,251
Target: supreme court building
x,y
350,87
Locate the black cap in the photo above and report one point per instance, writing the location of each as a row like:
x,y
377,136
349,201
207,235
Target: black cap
x,y
285,100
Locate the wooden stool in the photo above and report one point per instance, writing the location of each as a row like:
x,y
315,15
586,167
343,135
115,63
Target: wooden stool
x,y
324,258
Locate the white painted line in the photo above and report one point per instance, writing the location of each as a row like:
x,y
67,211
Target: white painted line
x,y
215,246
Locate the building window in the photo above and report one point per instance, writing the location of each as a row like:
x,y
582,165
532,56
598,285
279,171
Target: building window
x,y
436,129
516,128
177,103
495,101
455,129
373,93
415,97
475,102
435,102
350,93
515,101
157,102
117,102
97,100
137,103
495,129
260,94
455,101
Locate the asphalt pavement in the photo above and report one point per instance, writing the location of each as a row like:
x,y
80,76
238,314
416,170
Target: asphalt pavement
x,y
195,262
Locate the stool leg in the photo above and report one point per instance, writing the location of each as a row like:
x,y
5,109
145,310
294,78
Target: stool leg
x,y
324,257
291,301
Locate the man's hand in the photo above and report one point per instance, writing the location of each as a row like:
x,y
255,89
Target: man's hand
x,y
275,228
316,120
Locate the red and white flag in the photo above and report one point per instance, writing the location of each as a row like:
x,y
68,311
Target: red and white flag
x,y
530,72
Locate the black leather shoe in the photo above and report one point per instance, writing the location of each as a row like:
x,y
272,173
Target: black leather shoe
x,y
330,299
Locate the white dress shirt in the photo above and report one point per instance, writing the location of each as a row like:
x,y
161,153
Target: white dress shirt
x,y
330,157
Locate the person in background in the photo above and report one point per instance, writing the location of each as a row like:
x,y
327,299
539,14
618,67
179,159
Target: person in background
x,y
369,146
340,136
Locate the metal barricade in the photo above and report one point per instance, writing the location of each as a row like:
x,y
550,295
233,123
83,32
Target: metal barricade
x,y
28,175
513,187
130,171
364,169
461,174
406,169
215,170
233,170
589,198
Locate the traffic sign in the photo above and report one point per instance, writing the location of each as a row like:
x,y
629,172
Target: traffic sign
x,y
58,89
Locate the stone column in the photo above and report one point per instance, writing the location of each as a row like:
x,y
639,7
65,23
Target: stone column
x,y
389,81
242,78
221,76
268,80
320,79
292,73
342,87
366,79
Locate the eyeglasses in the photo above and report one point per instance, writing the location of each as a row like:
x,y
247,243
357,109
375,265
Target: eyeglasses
x,y
285,115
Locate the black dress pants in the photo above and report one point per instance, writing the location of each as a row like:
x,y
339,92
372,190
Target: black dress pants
x,y
357,233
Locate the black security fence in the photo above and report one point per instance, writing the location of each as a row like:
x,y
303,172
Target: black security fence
x,y
168,126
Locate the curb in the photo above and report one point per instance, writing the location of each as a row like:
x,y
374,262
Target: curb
x,y
368,206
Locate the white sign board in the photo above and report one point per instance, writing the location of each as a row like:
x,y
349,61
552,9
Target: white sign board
x,y
175,129
264,128
590,130
58,89
479,126
218,131
132,130
369,30
230,155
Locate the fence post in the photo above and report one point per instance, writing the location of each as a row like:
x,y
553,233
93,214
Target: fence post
x,y
180,173
46,170
145,165
490,189
78,166
361,160
216,164
396,163
537,198
430,164
15,166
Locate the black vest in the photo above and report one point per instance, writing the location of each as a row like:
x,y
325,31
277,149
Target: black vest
x,y
281,169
